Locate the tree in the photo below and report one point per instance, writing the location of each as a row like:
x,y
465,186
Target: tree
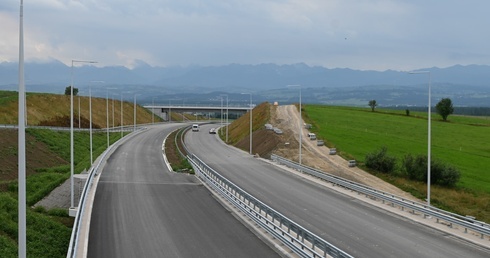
x,y
68,91
445,108
372,104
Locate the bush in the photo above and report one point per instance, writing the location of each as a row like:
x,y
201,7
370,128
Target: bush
x,y
415,167
380,161
440,173
443,174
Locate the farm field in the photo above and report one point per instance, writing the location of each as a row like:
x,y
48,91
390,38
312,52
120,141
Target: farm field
x,y
462,142
459,142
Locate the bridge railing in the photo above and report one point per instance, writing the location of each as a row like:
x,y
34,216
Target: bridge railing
x,y
303,242
463,221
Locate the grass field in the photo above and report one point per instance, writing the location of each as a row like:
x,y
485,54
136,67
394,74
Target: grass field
x,y
461,142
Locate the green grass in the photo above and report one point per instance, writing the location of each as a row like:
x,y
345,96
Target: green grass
x,y
46,237
8,96
356,132
462,142
48,232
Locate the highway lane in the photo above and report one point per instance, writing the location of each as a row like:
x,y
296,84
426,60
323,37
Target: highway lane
x,y
355,227
143,210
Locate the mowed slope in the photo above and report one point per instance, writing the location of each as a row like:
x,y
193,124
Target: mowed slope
x,y
43,107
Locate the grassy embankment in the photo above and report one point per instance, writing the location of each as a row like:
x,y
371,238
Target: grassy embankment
x,y
239,131
48,156
461,142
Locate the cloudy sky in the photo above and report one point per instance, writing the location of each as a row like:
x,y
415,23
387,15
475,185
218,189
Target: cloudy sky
x,y
358,34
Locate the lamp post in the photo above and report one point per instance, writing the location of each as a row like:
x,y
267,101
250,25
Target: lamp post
x,y
153,111
22,235
221,113
107,113
90,111
79,113
113,120
225,95
121,126
300,128
134,116
251,109
169,111
71,129
428,133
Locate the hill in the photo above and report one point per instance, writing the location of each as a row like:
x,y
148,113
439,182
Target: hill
x,y
54,110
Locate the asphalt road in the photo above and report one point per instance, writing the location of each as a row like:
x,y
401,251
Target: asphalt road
x,y
143,210
355,227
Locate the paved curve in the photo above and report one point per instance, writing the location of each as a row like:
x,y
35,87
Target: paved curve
x,y
353,226
143,210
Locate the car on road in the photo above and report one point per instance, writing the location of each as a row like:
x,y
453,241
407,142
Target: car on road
x,y
212,131
195,128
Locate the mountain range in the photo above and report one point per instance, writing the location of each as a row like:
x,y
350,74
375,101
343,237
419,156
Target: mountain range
x,y
466,85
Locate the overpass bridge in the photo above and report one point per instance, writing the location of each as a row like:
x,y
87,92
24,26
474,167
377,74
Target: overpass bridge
x,y
164,111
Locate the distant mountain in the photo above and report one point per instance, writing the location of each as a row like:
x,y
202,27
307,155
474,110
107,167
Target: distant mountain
x,y
470,84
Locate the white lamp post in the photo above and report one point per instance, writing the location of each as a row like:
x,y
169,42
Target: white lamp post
x,y
71,129
22,242
299,123
225,95
251,109
79,112
153,111
134,116
113,122
90,111
107,114
428,134
121,126
221,113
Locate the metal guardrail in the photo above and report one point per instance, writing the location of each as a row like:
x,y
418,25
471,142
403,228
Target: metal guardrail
x,y
300,240
127,128
468,223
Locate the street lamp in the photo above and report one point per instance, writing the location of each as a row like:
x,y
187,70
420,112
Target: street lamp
x,y
299,123
71,129
121,126
107,113
79,112
225,95
134,116
153,111
428,133
113,120
251,109
22,235
90,111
